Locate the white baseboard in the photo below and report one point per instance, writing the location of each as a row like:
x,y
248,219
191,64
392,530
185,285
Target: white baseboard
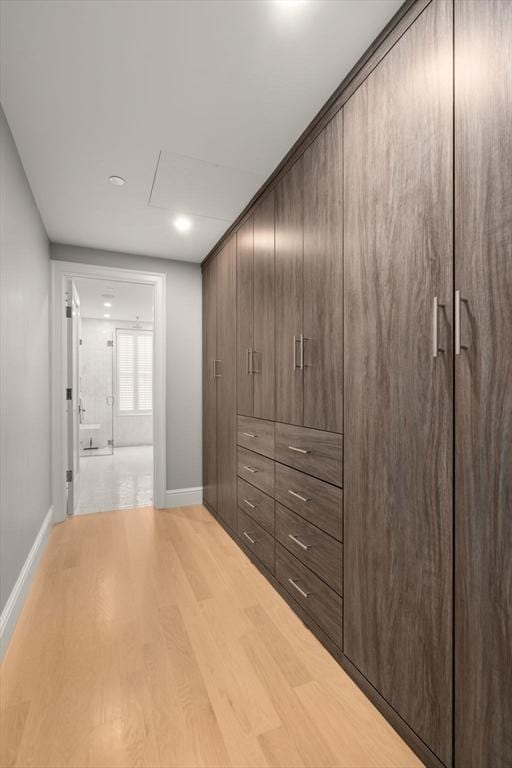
x,y
16,599
183,497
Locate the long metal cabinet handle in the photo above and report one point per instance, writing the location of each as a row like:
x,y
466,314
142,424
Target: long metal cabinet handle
x,y
250,469
296,586
298,541
246,501
301,347
249,434
216,375
247,536
247,361
298,496
435,341
299,450
457,323
295,353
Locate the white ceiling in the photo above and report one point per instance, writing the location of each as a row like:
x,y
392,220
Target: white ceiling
x,y
128,300
217,89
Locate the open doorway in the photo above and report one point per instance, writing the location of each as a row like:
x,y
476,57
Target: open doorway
x,y
108,353
115,395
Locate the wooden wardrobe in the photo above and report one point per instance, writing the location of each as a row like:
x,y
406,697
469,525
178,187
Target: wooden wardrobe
x,y
358,379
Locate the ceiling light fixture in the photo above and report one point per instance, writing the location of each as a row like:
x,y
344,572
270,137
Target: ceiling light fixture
x,y
117,181
106,316
107,304
182,223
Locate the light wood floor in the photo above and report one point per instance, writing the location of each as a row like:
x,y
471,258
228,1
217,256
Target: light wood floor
x,y
149,639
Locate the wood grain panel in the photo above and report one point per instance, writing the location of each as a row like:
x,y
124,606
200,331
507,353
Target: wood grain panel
x,y
226,383
256,470
256,435
289,294
398,136
310,545
264,309
257,504
322,604
244,316
256,539
210,384
323,279
313,451
483,393
321,503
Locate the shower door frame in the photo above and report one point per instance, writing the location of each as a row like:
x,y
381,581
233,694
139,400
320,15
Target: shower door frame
x,y
62,271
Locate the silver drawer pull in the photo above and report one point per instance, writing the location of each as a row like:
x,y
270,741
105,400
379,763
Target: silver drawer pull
x,y
298,496
246,501
299,450
298,541
248,434
296,586
252,470
247,536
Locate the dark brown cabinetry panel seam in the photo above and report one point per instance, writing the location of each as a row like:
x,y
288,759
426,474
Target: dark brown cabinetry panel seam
x,y
392,32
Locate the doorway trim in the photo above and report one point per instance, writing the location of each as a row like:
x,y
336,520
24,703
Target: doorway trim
x,y
60,272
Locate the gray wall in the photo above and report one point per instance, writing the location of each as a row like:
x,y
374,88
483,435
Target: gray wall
x,y
24,366
184,358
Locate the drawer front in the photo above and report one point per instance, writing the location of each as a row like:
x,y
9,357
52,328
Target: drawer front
x,y
312,499
256,470
310,545
312,451
256,539
256,504
317,599
256,434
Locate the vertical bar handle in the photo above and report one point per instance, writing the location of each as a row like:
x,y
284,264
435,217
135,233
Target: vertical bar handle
x,y
457,323
295,353
247,362
435,340
216,375
301,347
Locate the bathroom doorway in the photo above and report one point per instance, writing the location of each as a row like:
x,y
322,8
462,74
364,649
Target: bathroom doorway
x,y
112,348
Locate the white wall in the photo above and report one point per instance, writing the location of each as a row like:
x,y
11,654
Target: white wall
x,y
183,354
97,381
24,366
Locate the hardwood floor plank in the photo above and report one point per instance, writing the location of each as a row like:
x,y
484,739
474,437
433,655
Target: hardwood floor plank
x,y
149,639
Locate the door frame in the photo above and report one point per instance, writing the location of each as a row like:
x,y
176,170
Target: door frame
x,y
61,271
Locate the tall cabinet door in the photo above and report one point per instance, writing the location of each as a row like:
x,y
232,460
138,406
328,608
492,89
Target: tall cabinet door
x,y
483,391
245,318
210,384
226,382
289,296
398,388
323,279
264,290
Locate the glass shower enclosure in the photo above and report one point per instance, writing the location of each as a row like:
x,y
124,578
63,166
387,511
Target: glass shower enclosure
x,y
96,404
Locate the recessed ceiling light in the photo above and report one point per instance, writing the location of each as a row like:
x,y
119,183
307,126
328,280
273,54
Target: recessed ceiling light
x,y
182,223
107,304
117,181
107,316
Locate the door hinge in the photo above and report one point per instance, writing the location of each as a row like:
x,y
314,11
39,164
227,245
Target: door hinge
x,y
69,393
69,312
110,343
69,475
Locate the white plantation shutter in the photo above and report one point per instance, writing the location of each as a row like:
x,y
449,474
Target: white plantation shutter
x,y
134,371
144,372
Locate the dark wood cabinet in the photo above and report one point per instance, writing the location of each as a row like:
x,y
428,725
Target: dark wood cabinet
x,y
289,296
323,279
264,300
398,439
483,393
245,317
210,384
226,383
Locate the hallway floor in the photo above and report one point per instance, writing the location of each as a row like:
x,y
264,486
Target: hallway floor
x,y
149,639
118,481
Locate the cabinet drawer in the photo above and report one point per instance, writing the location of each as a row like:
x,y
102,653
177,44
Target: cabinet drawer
x,y
256,539
310,545
317,599
256,434
256,504
312,451
256,470
312,499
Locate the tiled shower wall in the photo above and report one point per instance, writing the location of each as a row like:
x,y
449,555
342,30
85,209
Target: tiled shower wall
x,y
97,386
